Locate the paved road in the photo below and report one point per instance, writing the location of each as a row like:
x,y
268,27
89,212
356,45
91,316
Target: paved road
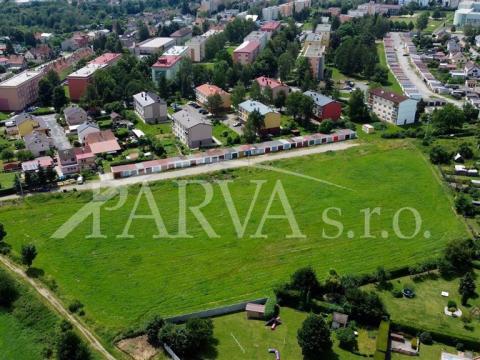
x,y
202,169
58,306
106,180
57,133
409,71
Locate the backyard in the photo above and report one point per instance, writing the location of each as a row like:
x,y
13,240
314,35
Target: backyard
x,y
250,339
171,276
426,309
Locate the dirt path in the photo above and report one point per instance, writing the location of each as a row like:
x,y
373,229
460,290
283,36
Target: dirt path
x,y
58,306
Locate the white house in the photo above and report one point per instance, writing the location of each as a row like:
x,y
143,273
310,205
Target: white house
x,y
472,70
150,107
391,107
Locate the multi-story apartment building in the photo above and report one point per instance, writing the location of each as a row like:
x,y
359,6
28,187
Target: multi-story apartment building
x,y
270,13
20,91
391,107
166,66
191,128
246,52
203,92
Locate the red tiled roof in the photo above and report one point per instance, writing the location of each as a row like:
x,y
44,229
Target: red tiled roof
x,y
388,95
208,90
106,58
270,26
271,83
167,61
102,142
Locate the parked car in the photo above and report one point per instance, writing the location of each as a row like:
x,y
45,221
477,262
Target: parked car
x,y
237,124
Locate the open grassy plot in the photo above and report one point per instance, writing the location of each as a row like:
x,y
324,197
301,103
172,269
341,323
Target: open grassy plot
x,y
393,84
427,352
122,281
221,132
6,180
426,310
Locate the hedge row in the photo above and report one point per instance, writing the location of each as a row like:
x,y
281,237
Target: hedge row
x,y
7,191
439,337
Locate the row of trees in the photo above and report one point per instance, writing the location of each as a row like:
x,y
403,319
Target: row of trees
x,y
51,92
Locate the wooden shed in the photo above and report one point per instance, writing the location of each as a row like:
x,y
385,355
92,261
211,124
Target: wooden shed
x,y
255,311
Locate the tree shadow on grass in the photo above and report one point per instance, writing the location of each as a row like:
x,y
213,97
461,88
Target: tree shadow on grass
x,y
35,273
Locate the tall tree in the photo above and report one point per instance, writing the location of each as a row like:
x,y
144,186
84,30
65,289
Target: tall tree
x,y
467,287
214,104
29,253
238,94
314,337
59,99
448,118
358,111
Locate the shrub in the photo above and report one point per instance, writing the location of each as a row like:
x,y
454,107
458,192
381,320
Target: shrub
x,y
8,291
75,306
426,338
452,304
397,293
414,343
271,308
346,337
460,346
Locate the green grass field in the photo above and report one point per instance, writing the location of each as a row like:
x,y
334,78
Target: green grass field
x,y
219,131
426,309
125,281
393,84
6,180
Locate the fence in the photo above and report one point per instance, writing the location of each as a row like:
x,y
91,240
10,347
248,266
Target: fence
x,y
230,309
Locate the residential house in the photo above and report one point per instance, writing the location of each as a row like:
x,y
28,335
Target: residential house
x,y
43,162
246,52
85,129
453,46
166,66
76,42
26,123
154,46
67,162
182,35
472,70
40,54
78,81
324,107
16,62
270,28
102,142
391,107
203,92
150,107
271,117
270,13
458,59
192,128
274,85
75,115
38,143
259,36
85,158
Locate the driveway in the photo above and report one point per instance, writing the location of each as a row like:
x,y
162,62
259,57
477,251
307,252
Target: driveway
x,y
57,133
409,71
232,119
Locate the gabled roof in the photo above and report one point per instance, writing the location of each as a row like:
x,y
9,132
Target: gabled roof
x,y
102,142
72,110
87,125
181,32
388,95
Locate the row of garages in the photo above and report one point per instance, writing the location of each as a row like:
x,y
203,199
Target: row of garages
x,y
217,155
407,86
422,69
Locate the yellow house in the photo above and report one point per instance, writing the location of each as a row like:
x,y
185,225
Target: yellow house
x,y
272,118
26,123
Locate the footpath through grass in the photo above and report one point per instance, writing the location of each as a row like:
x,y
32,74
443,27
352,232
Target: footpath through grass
x,y
122,281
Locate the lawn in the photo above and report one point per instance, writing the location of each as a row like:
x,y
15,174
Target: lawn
x,y
426,309
125,281
6,180
393,84
427,352
220,130
244,339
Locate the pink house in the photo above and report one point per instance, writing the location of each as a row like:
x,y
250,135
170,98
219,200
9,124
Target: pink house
x,y
246,52
276,86
270,27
